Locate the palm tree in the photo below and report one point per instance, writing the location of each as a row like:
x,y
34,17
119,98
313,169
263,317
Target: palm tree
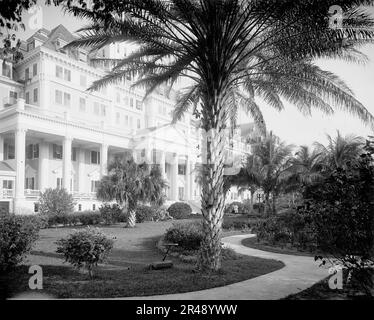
x,y
340,150
129,183
306,168
230,51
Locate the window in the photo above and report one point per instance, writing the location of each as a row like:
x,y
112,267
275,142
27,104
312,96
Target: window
x,y
59,183
31,46
67,75
34,69
96,108
36,207
131,102
82,56
74,154
36,95
82,104
30,183
57,151
27,74
10,151
59,72
95,157
67,98
8,184
138,123
32,151
83,80
182,169
94,207
131,122
139,105
118,118
58,97
13,94
94,186
118,98
79,207
7,70
126,120
27,97
126,101
103,110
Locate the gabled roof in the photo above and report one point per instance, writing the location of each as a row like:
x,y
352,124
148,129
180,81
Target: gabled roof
x,y
60,32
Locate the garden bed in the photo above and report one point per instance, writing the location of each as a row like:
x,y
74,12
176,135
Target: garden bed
x,y
126,273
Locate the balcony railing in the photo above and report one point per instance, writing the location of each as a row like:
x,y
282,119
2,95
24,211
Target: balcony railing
x,y
9,101
7,193
84,196
29,193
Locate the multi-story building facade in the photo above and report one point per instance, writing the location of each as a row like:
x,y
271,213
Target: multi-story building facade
x,y
56,134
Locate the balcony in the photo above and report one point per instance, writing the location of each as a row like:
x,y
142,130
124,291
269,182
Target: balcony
x,y
6,194
32,194
9,101
84,196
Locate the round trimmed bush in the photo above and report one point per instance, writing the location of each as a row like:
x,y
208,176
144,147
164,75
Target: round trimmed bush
x,y
145,213
188,236
180,210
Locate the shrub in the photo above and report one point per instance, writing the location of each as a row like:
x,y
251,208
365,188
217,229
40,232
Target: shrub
x,y
17,235
235,224
188,236
88,218
180,210
259,207
85,248
145,213
56,203
161,214
112,214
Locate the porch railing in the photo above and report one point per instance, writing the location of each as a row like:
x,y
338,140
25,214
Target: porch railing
x,y
6,193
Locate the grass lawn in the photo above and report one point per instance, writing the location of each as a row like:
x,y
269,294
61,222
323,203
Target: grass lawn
x,y
126,272
253,243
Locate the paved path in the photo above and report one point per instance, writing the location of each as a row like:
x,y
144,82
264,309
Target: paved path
x,y
298,274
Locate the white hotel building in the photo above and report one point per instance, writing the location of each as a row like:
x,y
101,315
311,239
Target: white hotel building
x,y
55,134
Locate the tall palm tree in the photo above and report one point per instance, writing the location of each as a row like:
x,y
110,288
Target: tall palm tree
x,y
230,51
340,150
129,183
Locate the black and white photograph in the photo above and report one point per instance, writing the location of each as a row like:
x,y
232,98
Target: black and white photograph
x,y
183,157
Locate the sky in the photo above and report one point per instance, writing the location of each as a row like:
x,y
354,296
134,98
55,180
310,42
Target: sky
x,y
290,125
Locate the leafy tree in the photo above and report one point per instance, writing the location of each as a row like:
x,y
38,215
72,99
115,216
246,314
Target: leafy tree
x,y
230,51
128,183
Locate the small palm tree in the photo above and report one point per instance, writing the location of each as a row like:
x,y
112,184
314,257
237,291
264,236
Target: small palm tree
x,y
230,51
128,183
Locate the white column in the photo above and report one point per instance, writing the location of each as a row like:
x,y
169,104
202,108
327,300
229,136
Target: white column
x,y
66,168
1,148
43,166
81,175
20,145
162,164
103,160
174,178
187,191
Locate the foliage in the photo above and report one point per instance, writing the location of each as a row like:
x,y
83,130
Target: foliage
x,y
180,210
85,248
17,235
342,208
112,214
188,236
56,203
236,224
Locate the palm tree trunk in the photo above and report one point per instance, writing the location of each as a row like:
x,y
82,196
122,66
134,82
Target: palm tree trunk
x,y
251,201
131,216
267,205
213,198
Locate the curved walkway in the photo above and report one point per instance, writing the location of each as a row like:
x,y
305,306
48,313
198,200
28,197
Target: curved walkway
x,y
298,274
